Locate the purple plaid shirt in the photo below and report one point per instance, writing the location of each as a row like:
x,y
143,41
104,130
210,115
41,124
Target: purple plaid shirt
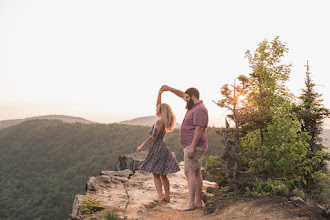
x,y
197,115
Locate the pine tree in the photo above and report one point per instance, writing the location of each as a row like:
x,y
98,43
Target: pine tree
x,y
311,114
235,100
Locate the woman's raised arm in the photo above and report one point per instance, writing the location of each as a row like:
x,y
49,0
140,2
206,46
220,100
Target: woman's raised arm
x,y
159,97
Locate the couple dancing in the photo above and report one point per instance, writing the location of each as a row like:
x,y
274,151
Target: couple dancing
x,y
160,161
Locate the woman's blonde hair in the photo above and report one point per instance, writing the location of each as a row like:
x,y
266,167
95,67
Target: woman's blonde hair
x,y
167,116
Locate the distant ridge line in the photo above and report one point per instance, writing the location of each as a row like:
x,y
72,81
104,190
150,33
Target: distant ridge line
x,y
64,118
144,121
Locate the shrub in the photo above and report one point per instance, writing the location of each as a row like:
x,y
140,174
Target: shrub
x,y
269,187
90,206
213,167
111,215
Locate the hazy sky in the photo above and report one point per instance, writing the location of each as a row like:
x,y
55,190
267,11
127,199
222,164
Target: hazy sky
x,y
105,60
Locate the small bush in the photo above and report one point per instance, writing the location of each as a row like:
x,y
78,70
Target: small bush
x,y
90,206
298,192
211,190
111,215
269,187
213,167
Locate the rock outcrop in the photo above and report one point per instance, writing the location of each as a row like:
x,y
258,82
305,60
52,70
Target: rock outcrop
x,y
130,192
130,161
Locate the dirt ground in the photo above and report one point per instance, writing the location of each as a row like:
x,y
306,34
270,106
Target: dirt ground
x,y
270,208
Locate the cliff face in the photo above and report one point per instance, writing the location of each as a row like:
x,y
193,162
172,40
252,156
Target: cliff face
x,y
130,192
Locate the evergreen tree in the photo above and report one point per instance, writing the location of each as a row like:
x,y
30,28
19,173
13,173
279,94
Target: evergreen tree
x,y
235,100
311,114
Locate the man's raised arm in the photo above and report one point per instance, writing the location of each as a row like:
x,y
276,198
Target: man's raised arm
x,y
177,92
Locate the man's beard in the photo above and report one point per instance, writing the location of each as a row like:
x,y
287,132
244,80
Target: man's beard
x,y
190,104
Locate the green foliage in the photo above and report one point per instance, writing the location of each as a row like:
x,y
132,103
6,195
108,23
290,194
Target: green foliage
x,y
236,99
270,187
213,167
45,163
283,151
90,206
311,114
298,192
326,192
111,215
267,83
211,190
273,147
272,143
234,194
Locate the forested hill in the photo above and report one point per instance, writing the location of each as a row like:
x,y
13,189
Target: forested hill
x,y
45,163
65,118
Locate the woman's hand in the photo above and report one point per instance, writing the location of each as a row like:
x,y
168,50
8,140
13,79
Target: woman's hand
x,y
139,148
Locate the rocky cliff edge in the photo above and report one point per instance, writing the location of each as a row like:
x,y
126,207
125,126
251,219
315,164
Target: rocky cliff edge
x,y
130,192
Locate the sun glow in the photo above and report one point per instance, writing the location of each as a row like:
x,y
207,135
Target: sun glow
x,y
240,98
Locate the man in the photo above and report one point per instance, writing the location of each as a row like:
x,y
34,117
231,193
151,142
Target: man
x,y
194,140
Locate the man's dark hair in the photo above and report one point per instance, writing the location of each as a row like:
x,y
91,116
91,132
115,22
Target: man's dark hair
x,y
192,91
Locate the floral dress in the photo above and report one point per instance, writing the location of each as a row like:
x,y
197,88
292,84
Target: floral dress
x,y
159,159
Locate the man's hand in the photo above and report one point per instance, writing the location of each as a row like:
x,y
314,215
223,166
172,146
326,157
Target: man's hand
x,y
139,148
173,90
191,151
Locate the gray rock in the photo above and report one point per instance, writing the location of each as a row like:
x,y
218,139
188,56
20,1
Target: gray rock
x,y
90,184
297,201
130,161
76,202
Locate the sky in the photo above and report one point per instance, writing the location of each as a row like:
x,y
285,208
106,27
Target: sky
x,y
106,60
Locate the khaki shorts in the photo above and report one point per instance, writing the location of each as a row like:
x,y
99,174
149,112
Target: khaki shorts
x,y
196,162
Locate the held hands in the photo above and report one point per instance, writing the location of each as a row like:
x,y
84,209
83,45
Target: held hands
x,y
165,88
139,148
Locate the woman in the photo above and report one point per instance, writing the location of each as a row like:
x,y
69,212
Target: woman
x,y
160,160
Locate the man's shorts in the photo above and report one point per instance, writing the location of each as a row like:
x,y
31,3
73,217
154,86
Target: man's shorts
x,y
196,162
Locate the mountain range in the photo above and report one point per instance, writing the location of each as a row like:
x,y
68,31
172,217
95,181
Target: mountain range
x,y
64,118
144,121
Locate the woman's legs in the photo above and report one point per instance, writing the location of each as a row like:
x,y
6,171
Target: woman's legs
x,y
166,184
158,185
